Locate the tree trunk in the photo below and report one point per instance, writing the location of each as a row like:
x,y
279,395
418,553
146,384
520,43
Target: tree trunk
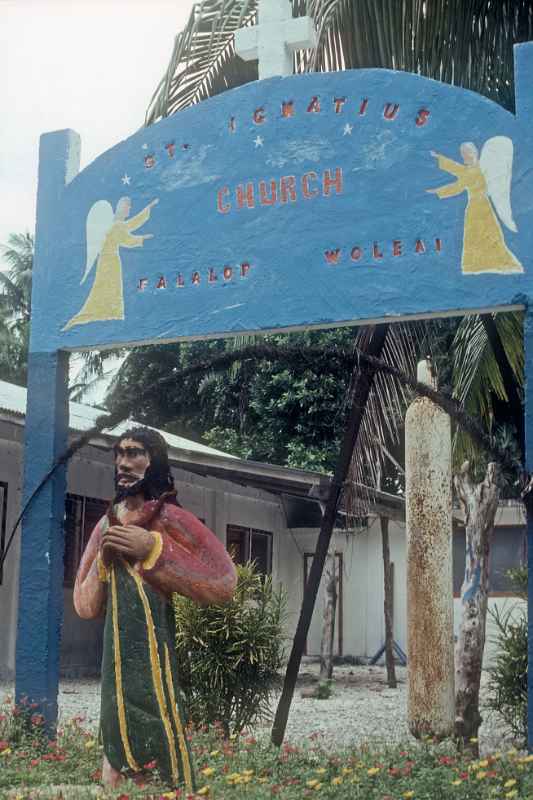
x,y
328,626
480,503
388,604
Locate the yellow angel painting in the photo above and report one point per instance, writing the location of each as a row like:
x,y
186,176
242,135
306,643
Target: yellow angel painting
x,y
107,232
486,179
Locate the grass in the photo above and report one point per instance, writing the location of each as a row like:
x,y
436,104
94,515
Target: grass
x,y
241,768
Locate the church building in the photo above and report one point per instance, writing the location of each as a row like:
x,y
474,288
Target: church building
x,y
260,511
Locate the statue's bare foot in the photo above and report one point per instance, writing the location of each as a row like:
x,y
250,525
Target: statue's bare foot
x,y
110,776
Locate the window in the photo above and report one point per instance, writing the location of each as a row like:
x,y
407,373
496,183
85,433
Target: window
x,y
3,522
507,551
250,544
81,515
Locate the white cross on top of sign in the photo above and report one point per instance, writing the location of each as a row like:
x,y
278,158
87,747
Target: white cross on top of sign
x,y
274,39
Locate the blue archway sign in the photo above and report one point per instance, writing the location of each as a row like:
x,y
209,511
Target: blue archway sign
x,y
290,202
306,201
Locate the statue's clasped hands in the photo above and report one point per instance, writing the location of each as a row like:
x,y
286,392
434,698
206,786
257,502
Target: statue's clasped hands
x,y
129,541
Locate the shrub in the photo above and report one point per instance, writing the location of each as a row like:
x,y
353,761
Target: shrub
x,y
508,676
229,656
324,690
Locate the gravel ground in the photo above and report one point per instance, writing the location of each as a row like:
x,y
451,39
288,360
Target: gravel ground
x,y
361,708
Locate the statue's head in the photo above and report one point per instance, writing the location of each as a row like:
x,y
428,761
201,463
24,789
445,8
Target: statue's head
x,y
122,211
469,153
141,464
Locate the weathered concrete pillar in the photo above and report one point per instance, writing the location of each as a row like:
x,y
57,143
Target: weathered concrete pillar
x,y
428,489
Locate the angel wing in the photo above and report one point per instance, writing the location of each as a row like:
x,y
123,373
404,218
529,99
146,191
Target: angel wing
x,y
99,221
496,162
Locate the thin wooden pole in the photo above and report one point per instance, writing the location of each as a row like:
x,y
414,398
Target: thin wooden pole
x,y
360,385
388,603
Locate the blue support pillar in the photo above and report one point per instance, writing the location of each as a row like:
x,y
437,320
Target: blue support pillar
x,y
528,402
40,611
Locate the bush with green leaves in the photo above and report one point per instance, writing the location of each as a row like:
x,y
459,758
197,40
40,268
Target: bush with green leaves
x,y
229,656
508,676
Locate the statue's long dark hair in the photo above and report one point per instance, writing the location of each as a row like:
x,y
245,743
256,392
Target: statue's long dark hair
x,y
158,477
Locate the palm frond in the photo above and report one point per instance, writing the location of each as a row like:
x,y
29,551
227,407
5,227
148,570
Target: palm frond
x,y
463,42
95,367
201,64
382,423
15,283
203,61
207,381
234,344
476,375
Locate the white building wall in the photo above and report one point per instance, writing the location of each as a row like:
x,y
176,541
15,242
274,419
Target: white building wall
x,y
221,503
10,472
90,474
363,614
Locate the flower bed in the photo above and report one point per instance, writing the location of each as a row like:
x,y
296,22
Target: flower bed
x,y
242,767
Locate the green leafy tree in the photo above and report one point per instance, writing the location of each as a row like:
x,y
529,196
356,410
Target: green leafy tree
x,y
282,413
290,412
15,307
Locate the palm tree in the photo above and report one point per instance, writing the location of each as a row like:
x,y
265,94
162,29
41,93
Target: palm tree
x,y
15,307
463,42
468,43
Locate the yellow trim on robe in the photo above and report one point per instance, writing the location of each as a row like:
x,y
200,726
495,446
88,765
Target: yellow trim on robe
x,y
157,548
156,672
118,679
103,572
177,722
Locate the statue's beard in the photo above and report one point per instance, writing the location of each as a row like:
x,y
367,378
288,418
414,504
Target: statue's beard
x,y
130,489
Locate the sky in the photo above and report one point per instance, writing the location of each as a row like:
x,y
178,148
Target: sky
x,y
89,65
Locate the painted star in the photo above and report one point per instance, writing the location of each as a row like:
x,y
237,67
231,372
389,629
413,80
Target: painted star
x,y
126,180
145,146
347,130
258,141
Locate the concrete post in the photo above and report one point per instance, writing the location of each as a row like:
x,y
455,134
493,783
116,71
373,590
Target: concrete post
x,y
40,612
428,488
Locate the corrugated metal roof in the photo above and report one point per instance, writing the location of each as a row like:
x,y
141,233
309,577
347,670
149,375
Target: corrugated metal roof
x,y
83,417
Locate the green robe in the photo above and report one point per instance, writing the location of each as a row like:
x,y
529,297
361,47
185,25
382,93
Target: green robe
x,y
141,715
